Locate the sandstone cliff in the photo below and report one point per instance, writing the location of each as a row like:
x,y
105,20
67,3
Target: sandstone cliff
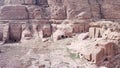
x,y
53,20
33,15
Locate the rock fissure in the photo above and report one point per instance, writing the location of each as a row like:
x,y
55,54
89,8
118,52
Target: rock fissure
x,y
99,2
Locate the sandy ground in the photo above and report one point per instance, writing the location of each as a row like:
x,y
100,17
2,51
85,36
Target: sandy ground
x,y
38,54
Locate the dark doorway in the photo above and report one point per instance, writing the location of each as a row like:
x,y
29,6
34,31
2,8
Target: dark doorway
x,y
1,36
41,2
15,32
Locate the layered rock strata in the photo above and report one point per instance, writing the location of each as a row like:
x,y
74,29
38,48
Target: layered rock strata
x,y
34,14
58,19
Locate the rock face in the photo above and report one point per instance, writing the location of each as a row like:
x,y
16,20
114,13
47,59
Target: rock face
x,y
23,20
57,11
1,2
112,7
79,11
13,13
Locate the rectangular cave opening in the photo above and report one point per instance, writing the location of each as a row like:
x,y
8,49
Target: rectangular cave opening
x,y
1,36
15,32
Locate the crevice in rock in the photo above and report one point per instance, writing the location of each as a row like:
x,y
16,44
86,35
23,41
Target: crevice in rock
x,y
90,8
51,29
99,2
28,16
14,33
37,2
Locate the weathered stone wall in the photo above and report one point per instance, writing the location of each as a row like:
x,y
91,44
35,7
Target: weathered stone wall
x,y
33,12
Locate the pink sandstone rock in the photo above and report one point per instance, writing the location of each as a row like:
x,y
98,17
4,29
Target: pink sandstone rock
x,y
44,2
38,13
111,9
78,11
13,13
103,29
57,35
98,33
13,2
47,30
1,2
1,32
83,36
26,34
30,2
92,32
41,28
63,31
57,9
95,51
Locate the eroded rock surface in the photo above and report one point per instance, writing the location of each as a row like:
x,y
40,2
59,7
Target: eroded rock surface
x,y
70,33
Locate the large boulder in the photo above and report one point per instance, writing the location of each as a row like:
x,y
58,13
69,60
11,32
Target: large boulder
x,y
13,13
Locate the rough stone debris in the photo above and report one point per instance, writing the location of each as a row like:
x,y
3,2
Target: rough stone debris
x,y
95,23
